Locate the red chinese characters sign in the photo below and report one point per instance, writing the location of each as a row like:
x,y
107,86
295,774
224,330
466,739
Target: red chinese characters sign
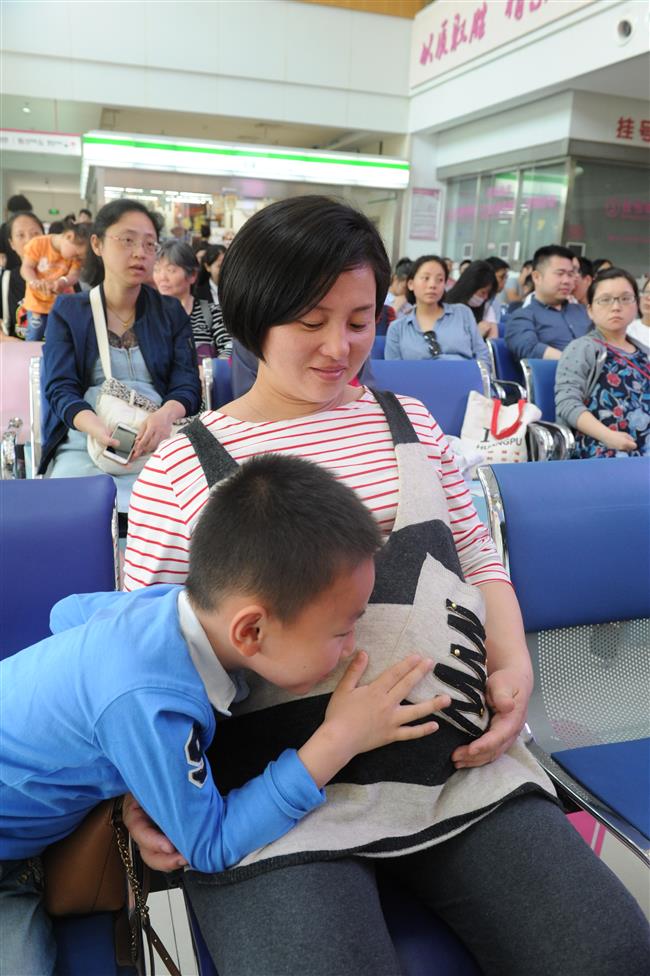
x,y
629,129
450,33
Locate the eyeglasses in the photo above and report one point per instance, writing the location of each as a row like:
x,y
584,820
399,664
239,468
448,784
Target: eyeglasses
x,y
608,300
432,343
130,243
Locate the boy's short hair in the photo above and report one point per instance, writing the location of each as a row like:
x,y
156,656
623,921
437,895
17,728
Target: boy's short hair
x,y
280,529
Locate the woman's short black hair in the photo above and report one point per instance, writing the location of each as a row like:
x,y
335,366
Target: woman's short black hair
x,y
415,267
280,530
608,275
478,275
287,257
23,213
17,203
107,216
212,252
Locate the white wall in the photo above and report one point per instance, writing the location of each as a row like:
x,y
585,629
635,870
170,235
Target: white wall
x,y
540,63
265,59
534,124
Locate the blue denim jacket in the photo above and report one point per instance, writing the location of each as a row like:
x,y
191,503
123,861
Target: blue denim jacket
x,y
456,331
70,353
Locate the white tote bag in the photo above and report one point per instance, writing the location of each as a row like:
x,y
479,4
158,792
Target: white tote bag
x,y
496,431
116,402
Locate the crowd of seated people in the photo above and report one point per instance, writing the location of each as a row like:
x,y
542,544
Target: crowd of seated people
x,y
472,804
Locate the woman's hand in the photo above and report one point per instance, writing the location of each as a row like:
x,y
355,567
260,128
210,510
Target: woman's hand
x,y
618,440
507,695
156,850
88,422
156,428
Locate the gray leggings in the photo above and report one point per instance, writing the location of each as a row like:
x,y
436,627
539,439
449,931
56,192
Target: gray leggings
x,y
520,888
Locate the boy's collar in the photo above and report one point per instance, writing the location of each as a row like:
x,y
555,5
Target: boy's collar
x,y
222,689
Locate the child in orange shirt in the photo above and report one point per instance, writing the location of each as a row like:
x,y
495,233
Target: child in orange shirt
x,y
51,265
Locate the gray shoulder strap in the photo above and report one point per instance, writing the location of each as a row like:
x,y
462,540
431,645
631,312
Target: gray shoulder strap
x,y
215,460
401,428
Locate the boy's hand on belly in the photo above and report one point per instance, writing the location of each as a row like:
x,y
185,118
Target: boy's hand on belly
x,y
156,850
507,695
364,717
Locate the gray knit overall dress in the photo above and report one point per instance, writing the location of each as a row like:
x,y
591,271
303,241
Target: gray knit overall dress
x,y
407,795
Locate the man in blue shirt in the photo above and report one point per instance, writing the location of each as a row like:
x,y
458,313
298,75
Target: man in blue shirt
x,y
544,327
121,697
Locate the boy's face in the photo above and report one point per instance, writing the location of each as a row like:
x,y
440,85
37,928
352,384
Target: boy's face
x,y
299,654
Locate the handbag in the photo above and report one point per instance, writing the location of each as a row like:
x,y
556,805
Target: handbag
x,y
496,431
83,871
116,403
93,870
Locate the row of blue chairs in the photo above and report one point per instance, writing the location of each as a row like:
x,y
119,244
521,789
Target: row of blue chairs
x,y
442,385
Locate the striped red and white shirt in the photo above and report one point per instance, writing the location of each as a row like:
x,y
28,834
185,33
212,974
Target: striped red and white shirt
x,y
352,441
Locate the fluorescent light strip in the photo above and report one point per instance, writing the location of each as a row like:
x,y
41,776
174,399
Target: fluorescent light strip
x,y
131,152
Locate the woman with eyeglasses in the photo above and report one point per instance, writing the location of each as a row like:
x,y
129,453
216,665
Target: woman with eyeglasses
x,y
602,385
434,329
150,344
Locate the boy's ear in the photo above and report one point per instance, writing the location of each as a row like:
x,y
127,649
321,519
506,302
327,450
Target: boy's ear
x,y
247,629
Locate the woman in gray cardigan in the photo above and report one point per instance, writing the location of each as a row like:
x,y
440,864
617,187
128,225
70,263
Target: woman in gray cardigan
x,y
602,385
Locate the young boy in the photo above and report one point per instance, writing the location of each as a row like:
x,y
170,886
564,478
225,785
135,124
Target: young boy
x,y
51,265
121,698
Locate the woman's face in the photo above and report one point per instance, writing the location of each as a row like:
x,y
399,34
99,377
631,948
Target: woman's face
x,y
480,296
312,360
172,280
613,315
23,230
428,283
215,268
128,249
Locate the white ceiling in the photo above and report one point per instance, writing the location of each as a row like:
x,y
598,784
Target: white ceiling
x,y
50,115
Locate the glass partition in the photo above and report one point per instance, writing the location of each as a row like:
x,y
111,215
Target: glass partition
x,y
541,208
460,219
609,210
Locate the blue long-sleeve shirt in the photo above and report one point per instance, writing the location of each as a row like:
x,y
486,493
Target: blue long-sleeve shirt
x,y
531,329
456,332
70,353
120,699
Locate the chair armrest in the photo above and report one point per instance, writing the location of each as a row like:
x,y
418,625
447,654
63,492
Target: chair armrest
x,y
35,412
541,443
207,381
508,391
563,439
12,454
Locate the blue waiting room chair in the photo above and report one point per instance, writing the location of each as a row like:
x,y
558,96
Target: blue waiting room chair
x,y
378,347
539,380
575,537
58,537
217,383
442,385
504,365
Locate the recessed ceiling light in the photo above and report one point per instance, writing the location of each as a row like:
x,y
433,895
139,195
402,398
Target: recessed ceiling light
x,y
26,108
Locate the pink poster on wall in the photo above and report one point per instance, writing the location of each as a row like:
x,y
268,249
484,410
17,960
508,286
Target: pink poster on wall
x,y
425,214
